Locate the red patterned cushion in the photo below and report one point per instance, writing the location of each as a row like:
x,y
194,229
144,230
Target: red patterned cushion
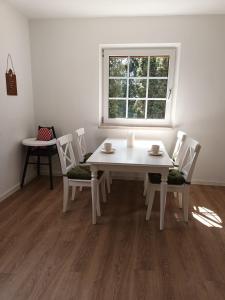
x,y
44,134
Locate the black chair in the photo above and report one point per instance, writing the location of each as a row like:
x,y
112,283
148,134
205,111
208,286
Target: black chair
x,y
47,151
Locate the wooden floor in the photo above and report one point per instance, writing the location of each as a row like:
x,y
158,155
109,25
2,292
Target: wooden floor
x,y
47,255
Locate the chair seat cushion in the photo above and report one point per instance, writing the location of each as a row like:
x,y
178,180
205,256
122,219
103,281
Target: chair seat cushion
x,y
86,156
175,177
81,172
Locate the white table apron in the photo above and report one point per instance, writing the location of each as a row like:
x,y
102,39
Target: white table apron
x,y
135,159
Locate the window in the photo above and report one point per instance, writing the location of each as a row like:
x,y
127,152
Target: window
x,y
137,86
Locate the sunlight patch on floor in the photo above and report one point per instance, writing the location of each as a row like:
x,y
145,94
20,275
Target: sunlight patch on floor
x,y
207,217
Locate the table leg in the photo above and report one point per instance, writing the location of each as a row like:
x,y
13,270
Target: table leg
x,y
108,178
163,192
38,163
94,187
50,169
25,167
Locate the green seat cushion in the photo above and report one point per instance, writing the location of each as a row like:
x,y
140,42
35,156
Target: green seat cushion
x,y
86,156
81,172
175,177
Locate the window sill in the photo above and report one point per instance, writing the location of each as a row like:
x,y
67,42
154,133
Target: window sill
x,y
131,127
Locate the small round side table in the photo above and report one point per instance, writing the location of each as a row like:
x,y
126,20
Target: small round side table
x,y
39,149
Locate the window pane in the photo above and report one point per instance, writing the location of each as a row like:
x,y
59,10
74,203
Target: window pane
x,y
136,109
156,109
117,88
157,88
138,66
137,88
159,66
118,66
117,108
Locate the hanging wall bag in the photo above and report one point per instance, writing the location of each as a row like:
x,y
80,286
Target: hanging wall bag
x,y
10,78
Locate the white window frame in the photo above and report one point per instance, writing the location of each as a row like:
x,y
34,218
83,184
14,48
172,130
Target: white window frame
x,y
137,50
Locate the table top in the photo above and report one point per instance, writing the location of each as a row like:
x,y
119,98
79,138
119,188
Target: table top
x,y
33,142
137,155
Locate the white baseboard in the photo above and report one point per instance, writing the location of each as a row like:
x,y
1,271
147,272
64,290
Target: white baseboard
x,y
120,176
133,176
16,187
55,173
128,176
140,177
212,183
9,192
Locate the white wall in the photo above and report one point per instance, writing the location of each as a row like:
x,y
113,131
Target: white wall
x,y
16,112
65,74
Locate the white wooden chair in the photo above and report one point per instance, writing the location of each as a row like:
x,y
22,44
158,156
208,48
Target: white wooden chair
x,y
178,151
81,145
84,154
76,175
185,170
176,156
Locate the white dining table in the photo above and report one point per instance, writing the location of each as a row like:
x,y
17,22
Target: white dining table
x,y
130,159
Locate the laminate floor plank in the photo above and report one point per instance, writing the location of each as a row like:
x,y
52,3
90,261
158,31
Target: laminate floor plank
x,y
48,255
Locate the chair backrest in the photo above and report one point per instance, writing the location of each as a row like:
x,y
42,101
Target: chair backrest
x,y
66,154
188,164
81,143
51,128
177,152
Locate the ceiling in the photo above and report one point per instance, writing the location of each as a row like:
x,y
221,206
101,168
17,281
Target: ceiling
x,y
105,8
